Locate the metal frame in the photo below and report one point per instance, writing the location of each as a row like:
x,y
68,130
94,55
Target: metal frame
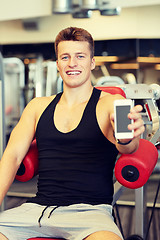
x,y
4,62
2,116
152,123
21,72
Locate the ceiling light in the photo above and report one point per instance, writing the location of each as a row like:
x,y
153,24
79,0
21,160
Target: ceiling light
x,y
111,11
82,14
89,4
61,6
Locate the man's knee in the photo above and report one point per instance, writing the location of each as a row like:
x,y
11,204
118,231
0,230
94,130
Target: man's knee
x,y
2,237
103,235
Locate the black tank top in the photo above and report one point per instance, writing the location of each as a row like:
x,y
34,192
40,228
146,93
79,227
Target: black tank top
x,y
74,167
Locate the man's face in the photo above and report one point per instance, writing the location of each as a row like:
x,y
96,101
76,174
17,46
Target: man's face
x,y
74,62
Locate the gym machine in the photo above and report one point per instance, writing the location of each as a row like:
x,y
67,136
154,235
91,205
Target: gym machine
x,y
147,96
2,116
14,82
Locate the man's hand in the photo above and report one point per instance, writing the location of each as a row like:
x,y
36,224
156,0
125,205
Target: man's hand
x,y
128,146
138,124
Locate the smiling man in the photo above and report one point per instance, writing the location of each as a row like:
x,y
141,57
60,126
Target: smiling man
x,y
75,63
77,153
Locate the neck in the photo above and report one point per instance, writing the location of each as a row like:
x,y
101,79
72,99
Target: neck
x,y
73,96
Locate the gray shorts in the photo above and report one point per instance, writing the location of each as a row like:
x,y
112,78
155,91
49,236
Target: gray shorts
x,y
74,222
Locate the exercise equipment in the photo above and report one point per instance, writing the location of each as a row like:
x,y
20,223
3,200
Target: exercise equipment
x,y
29,167
2,117
146,95
133,170
14,82
112,90
134,237
46,238
2,121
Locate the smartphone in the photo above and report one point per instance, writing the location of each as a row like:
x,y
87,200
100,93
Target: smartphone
x,y
121,121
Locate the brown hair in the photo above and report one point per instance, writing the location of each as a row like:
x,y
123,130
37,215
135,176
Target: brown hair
x,y
74,34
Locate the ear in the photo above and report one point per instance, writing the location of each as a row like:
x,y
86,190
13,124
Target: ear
x,y
57,65
93,64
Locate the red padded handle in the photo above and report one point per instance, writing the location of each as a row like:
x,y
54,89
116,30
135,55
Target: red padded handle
x,y
29,167
112,90
133,170
45,239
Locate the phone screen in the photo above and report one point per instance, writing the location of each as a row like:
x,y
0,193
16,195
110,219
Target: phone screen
x,y
122,118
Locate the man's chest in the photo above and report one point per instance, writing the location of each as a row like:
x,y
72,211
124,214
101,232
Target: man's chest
x,y
68,119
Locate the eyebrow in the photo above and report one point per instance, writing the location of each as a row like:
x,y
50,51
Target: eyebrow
x,y
81,53
77,53
64,54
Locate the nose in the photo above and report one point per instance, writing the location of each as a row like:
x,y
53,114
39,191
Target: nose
x,y
72,62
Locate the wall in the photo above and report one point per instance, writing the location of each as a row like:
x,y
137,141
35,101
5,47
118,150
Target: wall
x,y
135,22
19,9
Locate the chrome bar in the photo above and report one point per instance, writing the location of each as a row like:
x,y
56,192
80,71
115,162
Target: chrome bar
x,y
2,116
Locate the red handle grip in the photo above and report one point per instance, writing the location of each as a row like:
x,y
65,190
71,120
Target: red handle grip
x,y
29,167
133,170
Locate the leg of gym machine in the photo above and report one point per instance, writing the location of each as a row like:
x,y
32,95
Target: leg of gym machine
x,y
2,125
140,207
140,211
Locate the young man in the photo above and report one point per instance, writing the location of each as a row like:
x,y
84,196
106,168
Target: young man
x,y
77,152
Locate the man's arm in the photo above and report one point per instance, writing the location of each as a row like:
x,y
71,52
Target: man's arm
x,y
17,147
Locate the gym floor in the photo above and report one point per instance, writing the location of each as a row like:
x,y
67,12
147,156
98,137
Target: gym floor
x,y
19,192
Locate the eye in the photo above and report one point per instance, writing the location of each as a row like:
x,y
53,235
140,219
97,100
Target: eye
x,y
64,58
81,56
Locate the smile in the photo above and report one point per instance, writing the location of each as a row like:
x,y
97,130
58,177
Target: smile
x,y
73,72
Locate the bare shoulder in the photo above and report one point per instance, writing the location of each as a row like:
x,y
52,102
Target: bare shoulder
x,y
108,99
27,124
35,108
105,105
37,105
41,100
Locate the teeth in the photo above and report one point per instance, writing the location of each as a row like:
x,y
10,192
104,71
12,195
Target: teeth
x,y
73,73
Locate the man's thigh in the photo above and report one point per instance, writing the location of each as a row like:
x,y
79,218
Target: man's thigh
x,y
2,237
76,221
21,222
24,215
82,220
103,235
